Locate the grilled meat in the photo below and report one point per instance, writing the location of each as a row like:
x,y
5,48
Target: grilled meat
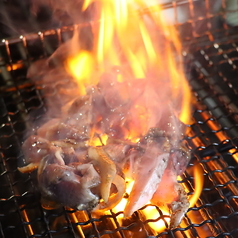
x,y
75,172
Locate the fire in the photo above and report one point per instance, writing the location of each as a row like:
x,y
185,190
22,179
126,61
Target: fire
x,y
198,180
133,37
99,140
151,212
80,66
121,206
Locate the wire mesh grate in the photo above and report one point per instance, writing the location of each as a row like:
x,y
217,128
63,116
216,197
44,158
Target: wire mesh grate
x,y
211,57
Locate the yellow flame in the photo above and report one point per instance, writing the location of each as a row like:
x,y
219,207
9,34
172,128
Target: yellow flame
x,y
151,212
81,67
121,206
198,180
99,140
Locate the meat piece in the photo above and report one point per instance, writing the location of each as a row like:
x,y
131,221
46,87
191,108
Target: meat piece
x,y
118,150
166,193
170,193
178,207
148,173
180,156
38,69
110,89
69,185
34,149
154,170
55,130
56,92
81,116
76,124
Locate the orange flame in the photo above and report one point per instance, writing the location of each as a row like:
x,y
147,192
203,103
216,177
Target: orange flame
x,y
151,212
142,44
132,35
99,140
80,66
198,180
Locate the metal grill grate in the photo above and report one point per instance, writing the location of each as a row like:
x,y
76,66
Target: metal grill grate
x,y
211,54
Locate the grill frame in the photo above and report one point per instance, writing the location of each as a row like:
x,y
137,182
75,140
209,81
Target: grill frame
x,y
213,139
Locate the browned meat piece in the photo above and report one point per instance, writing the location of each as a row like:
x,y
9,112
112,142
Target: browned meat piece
x,y
147,169
118,150
34,149
80,116
73,185
171,195
179,159
55,130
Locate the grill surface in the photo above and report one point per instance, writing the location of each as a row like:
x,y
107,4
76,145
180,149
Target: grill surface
x,y
211,59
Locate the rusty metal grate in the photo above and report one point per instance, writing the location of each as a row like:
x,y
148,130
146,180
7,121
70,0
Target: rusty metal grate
x,y
211,57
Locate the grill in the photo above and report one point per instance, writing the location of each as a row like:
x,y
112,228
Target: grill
x,y
211,63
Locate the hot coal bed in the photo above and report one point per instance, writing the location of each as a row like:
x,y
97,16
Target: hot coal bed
x,y
211,64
